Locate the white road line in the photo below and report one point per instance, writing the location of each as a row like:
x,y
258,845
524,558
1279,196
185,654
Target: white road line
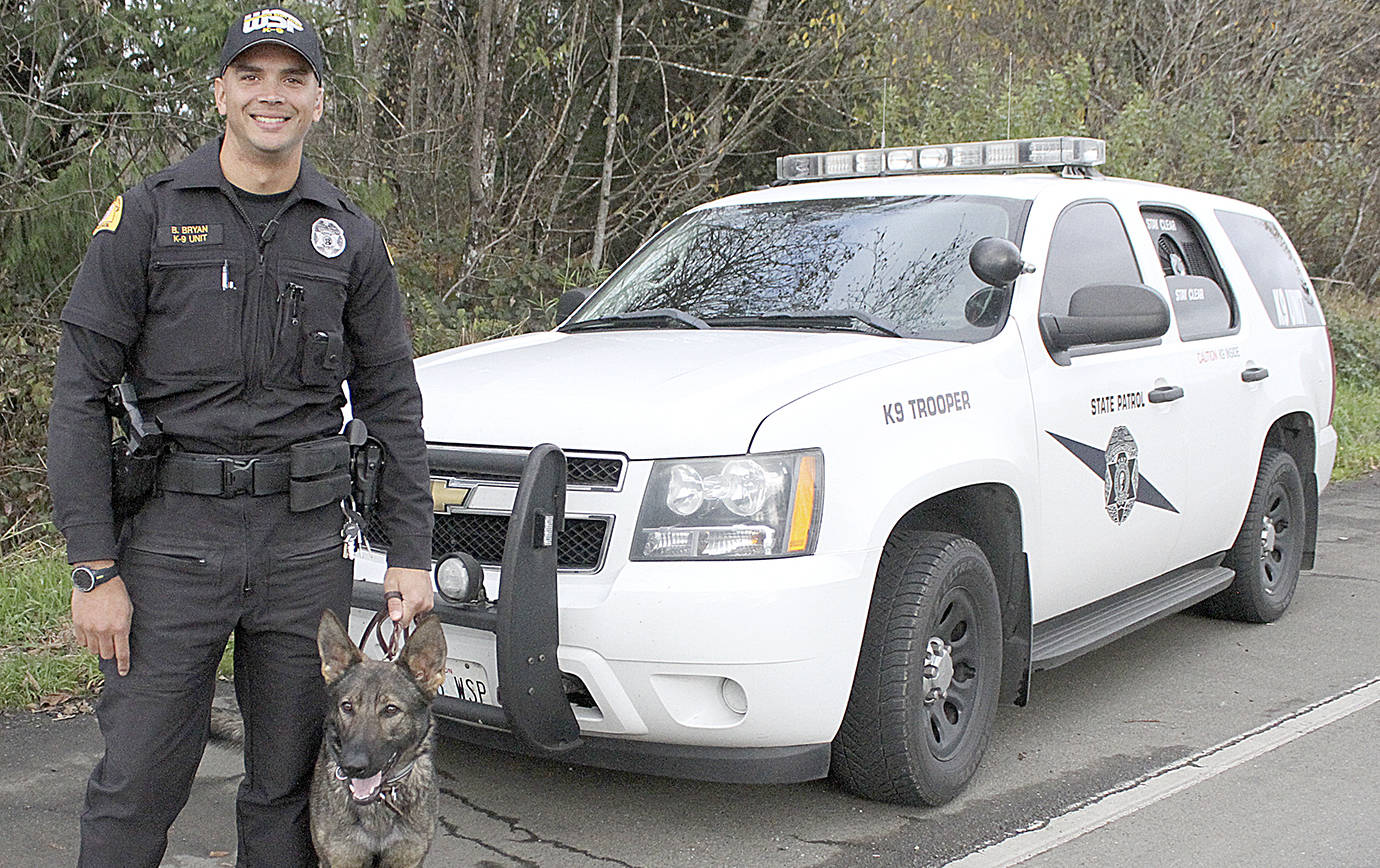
x,y
1132,796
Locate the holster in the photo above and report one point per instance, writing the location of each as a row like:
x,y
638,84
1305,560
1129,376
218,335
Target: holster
x,y
319,472
366,466
132,479
134,453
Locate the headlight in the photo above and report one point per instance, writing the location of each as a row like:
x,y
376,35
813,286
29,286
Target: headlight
x,y
745,506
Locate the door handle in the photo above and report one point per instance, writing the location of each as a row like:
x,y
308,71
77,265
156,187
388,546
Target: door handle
x,y
1165,394
1254,375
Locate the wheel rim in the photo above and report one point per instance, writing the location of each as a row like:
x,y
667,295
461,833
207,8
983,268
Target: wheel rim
x,y
1278,534
951,674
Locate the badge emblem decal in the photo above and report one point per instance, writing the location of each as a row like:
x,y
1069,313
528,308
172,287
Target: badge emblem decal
x,y
1122,479
1118,466
328,238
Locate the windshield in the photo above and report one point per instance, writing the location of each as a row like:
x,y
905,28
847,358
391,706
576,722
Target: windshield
x,y
894,265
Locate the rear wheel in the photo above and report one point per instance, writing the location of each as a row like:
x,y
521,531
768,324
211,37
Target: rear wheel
x,y
925,692
1269,548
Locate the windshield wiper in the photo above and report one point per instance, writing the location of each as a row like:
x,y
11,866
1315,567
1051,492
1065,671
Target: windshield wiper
x,y
639,318
848,320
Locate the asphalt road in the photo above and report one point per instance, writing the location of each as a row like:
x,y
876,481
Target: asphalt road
x,y
1193,741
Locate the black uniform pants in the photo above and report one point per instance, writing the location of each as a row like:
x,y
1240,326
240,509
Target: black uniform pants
x,y
199,568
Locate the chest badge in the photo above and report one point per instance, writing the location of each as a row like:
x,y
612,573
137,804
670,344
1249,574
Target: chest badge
x,y
328,238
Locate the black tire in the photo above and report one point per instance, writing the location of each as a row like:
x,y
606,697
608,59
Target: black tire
x,y
894,745
1268,549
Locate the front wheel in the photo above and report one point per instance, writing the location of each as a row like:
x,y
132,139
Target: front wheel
x,y
1268,550
925,692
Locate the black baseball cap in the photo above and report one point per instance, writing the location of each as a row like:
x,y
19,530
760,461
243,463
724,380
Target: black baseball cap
x,y
274,25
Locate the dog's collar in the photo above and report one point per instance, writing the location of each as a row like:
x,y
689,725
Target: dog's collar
x,y
400,775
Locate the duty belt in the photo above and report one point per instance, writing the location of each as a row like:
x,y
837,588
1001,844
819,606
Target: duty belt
x,y
313,473
225,475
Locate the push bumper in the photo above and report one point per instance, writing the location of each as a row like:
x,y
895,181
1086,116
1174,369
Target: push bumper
x,y
525,618
661,651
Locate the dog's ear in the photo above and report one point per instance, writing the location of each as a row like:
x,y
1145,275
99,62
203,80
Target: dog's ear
x,y
338,653
424,655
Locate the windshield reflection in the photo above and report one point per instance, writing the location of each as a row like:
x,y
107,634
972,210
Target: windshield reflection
x,y
904,260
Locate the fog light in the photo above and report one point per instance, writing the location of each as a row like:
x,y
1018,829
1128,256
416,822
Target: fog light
x,y
460,578
733,695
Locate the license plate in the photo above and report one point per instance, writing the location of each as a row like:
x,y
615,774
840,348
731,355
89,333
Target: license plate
x,y
468,680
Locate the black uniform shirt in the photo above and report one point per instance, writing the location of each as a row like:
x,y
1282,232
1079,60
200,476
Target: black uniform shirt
x,y
236,337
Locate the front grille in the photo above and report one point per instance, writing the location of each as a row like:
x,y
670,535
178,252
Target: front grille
x,y
581,543
578,547
602,472
594,472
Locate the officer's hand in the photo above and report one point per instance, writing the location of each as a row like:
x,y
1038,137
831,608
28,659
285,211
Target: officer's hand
x,y
415,587
100,618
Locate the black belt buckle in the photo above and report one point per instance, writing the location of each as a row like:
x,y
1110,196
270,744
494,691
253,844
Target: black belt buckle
x,y
236,476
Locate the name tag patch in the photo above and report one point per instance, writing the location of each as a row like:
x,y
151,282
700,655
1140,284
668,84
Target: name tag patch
x,y
188,234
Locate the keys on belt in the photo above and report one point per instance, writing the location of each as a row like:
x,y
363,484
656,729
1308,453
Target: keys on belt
x,y
352,531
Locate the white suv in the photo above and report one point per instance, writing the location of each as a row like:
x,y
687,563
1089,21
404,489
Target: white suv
x,y
824,470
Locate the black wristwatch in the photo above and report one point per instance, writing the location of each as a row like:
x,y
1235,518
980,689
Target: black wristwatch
x,y
88,578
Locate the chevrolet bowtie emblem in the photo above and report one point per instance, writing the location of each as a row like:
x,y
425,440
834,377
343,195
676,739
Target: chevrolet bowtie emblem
x,y
448,495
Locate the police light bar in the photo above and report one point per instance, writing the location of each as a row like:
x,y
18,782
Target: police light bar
x,y
1048,152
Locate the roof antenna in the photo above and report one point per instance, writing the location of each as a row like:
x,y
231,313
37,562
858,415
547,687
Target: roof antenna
x,y
1010,62
885,79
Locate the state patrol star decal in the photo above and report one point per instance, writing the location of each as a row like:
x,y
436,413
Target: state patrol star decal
x,y
1118,466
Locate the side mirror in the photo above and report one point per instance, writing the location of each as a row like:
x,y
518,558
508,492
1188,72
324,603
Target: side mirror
x,y
995,261
1105,313
570,302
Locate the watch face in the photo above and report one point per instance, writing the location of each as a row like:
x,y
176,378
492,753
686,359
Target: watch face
x,y
83,579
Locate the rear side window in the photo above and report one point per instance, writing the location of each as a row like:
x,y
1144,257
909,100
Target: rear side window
x,y
1203,306
1274,269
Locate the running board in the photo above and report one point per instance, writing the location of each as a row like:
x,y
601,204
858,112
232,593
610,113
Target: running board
x,y
1066,636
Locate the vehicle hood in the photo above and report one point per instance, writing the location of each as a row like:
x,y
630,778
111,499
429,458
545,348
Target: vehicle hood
x,y
644,393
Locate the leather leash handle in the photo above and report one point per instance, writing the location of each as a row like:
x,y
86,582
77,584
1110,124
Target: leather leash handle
x,y
390,646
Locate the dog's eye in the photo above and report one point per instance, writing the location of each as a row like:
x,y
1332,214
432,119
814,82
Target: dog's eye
x,y
390,710
347,707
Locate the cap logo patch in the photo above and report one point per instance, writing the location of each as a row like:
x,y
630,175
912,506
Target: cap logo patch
x,y
111,221
272,21
328,238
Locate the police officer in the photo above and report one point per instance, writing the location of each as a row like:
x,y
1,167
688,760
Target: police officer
x,y
235,290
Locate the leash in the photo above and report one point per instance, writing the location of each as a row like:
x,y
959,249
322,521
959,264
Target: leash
x,y
393,644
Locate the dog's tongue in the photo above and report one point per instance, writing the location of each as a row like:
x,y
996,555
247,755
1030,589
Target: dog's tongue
x,y
363,788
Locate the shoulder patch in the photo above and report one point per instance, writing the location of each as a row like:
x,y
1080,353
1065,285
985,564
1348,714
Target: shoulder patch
x,y
111,221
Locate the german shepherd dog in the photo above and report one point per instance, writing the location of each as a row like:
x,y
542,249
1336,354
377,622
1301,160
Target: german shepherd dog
x,y
374,794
